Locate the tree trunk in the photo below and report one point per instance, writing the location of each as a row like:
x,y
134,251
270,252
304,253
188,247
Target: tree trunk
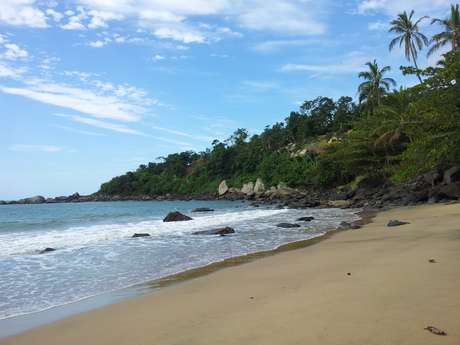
x,y
416,66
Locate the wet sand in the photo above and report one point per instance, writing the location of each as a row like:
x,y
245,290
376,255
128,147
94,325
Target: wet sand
x,y
369,286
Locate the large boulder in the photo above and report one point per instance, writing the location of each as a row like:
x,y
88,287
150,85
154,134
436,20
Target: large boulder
x,y
449,191
46,250
287,225
452,175
202,209
38,199
395,222
338,203
248,188
223,188
220,231
259,187
176,217
305,219
141,234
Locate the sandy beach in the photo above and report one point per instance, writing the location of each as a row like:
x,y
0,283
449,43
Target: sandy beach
x,y
369,286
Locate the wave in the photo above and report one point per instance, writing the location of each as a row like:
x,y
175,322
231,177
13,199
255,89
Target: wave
x,y
26,242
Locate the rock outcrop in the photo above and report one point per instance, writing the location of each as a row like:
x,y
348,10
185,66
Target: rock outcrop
x,y
223,188
248,188
202,209
259,187
287,225
176,217
220,231
142,234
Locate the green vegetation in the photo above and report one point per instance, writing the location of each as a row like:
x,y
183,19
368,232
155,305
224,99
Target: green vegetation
x,y
394,135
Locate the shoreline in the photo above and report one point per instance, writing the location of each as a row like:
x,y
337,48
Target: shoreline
x,y
29,321
391,294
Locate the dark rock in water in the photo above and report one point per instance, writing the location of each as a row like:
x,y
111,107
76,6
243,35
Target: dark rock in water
x,y
305,219
46,250
396,223
287,225
142,234
176,217
221,231
452,175
202,209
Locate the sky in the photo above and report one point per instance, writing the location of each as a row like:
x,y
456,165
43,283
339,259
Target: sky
x,y
90,89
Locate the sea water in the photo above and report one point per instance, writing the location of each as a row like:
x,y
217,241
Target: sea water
x,y
95,252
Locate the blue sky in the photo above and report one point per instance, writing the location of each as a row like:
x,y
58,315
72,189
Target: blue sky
x,y
90,89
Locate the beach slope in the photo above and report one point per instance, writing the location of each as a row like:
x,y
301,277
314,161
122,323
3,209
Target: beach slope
x,y
370,286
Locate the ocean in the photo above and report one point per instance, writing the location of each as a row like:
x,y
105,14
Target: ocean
x,y
96,254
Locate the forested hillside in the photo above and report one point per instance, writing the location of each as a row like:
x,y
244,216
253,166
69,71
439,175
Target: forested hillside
x,y
391,133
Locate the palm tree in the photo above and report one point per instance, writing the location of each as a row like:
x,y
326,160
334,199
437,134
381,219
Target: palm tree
x,y
409,35
375,85
451,33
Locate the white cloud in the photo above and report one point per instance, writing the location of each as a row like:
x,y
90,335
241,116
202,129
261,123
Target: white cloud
x,y
393,7
183,134
102,124
54,14
10,72
78,131
351,63
274,45
97,44
22,13
83,100
180,33
14,52
36,148
378,26
158,57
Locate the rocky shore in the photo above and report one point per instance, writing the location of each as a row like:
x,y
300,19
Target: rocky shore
x,y
366,192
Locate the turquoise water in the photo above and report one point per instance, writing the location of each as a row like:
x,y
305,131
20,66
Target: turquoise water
x,y
95,253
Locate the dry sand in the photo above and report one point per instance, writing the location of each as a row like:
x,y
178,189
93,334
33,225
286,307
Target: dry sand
x,y
302,297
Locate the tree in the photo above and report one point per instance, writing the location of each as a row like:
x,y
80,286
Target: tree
x,y
409,35
451,33
375,85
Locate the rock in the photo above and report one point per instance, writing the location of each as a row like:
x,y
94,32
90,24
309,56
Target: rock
x,y
305,219
38,199
338,203
449,191
142,234
452,175
176,217
287,225
223,188
202,209
248,188
396,223
259,186
46,250
347,226
220,231
432,178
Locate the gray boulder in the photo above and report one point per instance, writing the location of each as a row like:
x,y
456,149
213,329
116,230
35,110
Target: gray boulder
x,y
223,188
38,199
452,175
305,219
287,225
142,234
220,231
202,209
176,217
394,222
46,250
